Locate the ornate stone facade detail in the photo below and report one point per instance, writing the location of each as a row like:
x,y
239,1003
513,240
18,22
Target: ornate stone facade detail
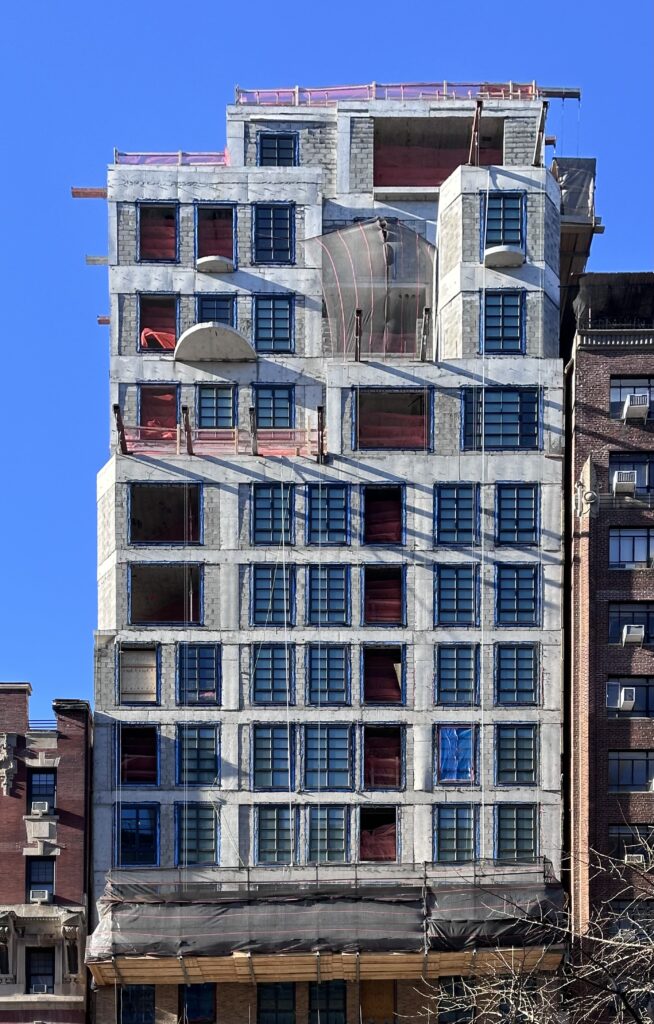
x,y
8,761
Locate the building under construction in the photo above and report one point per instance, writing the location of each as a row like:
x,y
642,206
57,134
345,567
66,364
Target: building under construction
x,y
328,660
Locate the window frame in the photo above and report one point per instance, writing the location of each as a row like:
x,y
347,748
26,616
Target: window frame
x,y
51,773
367,645
401,728
645,683
313,580
289,657
180,730
474,439
31,883
470,783
476,595
118,648
180,699
537,660
501,345
295,141
230,297
485,203
183,1006
256,209
618,609
152,485
643,385
323,1012
537,571
516,806
276,809
474,648
224,386
31,974
171,563
200,205
273,347
118,747
476,513
150,1010
436,829
166,204
322,488
347,664
157,352
362,595
645,533
427,391
287,492
290,570
503,727
311,808
613,756
287,786
363,488
326,769
179,812
259,387
156,811
505,485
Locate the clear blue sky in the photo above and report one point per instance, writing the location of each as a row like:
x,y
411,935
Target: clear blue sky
x,y
79,78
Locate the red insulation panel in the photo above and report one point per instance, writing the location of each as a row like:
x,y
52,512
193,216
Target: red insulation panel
x,y
158,233
382,522
379,843
216,232
382,601
158,321
138,755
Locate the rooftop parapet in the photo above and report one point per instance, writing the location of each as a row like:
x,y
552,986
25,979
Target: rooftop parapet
x,y
298,95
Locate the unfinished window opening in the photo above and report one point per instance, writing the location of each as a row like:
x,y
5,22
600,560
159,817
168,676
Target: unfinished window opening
x,y
165,594
137,675
383,595
216,231
382,756
158,233
425,151
158,322
378,834
382,675
377,1001
382,515
394,419
157,412
165,514
138,755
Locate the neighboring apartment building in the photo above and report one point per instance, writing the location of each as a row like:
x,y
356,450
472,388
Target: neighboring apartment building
x,y
328,663
612,616
45,789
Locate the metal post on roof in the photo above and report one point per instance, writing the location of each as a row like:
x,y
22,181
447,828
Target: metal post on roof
x,y
187,430
253,430
426,326
120,427
539,145
357,335
473,155
320,459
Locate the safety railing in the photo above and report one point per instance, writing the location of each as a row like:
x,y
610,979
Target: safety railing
x,y
220,159
296,96
42,725
177,441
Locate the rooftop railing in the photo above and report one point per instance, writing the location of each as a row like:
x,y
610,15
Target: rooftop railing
x,y
179,159
298,95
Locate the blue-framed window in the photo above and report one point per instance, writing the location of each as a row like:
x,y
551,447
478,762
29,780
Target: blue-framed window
x,y
455,1002
274,406
455,833
457,600
272,513
383,756
384,595
272,673
138,755
136,1004
215,230
516,832
168,514
158,230
273,232
392,418
165,593
276,1003
216,408
138,673
328,514
457,513
457,674
504,418
198,755
272,749
456,753
138,835
516,520
327,757
198,673
516,673
273,323
40,872
327,1002
328,674
504,331
277,149
216,308
517,594
198,1003
516,752
273,595
504,218
197,834
328,595
328,835
275,834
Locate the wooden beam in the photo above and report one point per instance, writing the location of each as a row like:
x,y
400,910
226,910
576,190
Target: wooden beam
x,y
120,427
473,153
103,321
88,193
96,261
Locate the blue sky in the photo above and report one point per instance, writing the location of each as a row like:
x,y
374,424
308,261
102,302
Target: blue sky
x,y
79,78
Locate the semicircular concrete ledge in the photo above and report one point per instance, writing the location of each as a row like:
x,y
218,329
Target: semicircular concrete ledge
x,y
213,342
504,256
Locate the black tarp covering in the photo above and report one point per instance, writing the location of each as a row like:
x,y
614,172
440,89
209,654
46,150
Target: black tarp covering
x,y
615,300
576,176
386,270
139,922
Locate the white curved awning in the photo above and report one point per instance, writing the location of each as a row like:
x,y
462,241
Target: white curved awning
x,y
503,256
213,342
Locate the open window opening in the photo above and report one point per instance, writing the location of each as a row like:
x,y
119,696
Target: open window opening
x,y
382,515
138,755
394,419
215,232
382,756
158,233
157,412
158,322
137,675
165,513
383,595
382,675
165,594
378,833
422,151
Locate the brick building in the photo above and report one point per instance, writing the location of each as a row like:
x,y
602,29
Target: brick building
x,y
611,411
328,662
44,849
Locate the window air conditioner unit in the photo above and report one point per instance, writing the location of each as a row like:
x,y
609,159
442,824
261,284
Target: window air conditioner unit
x,y
635,858
624,481
651,786
636,407
38,989
40,896
633,634
40,806
627,698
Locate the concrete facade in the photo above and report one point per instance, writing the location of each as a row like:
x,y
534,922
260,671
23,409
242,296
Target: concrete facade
x,y
332,186
45,855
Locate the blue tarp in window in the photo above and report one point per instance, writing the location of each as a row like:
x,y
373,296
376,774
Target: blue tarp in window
x,y
456,754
